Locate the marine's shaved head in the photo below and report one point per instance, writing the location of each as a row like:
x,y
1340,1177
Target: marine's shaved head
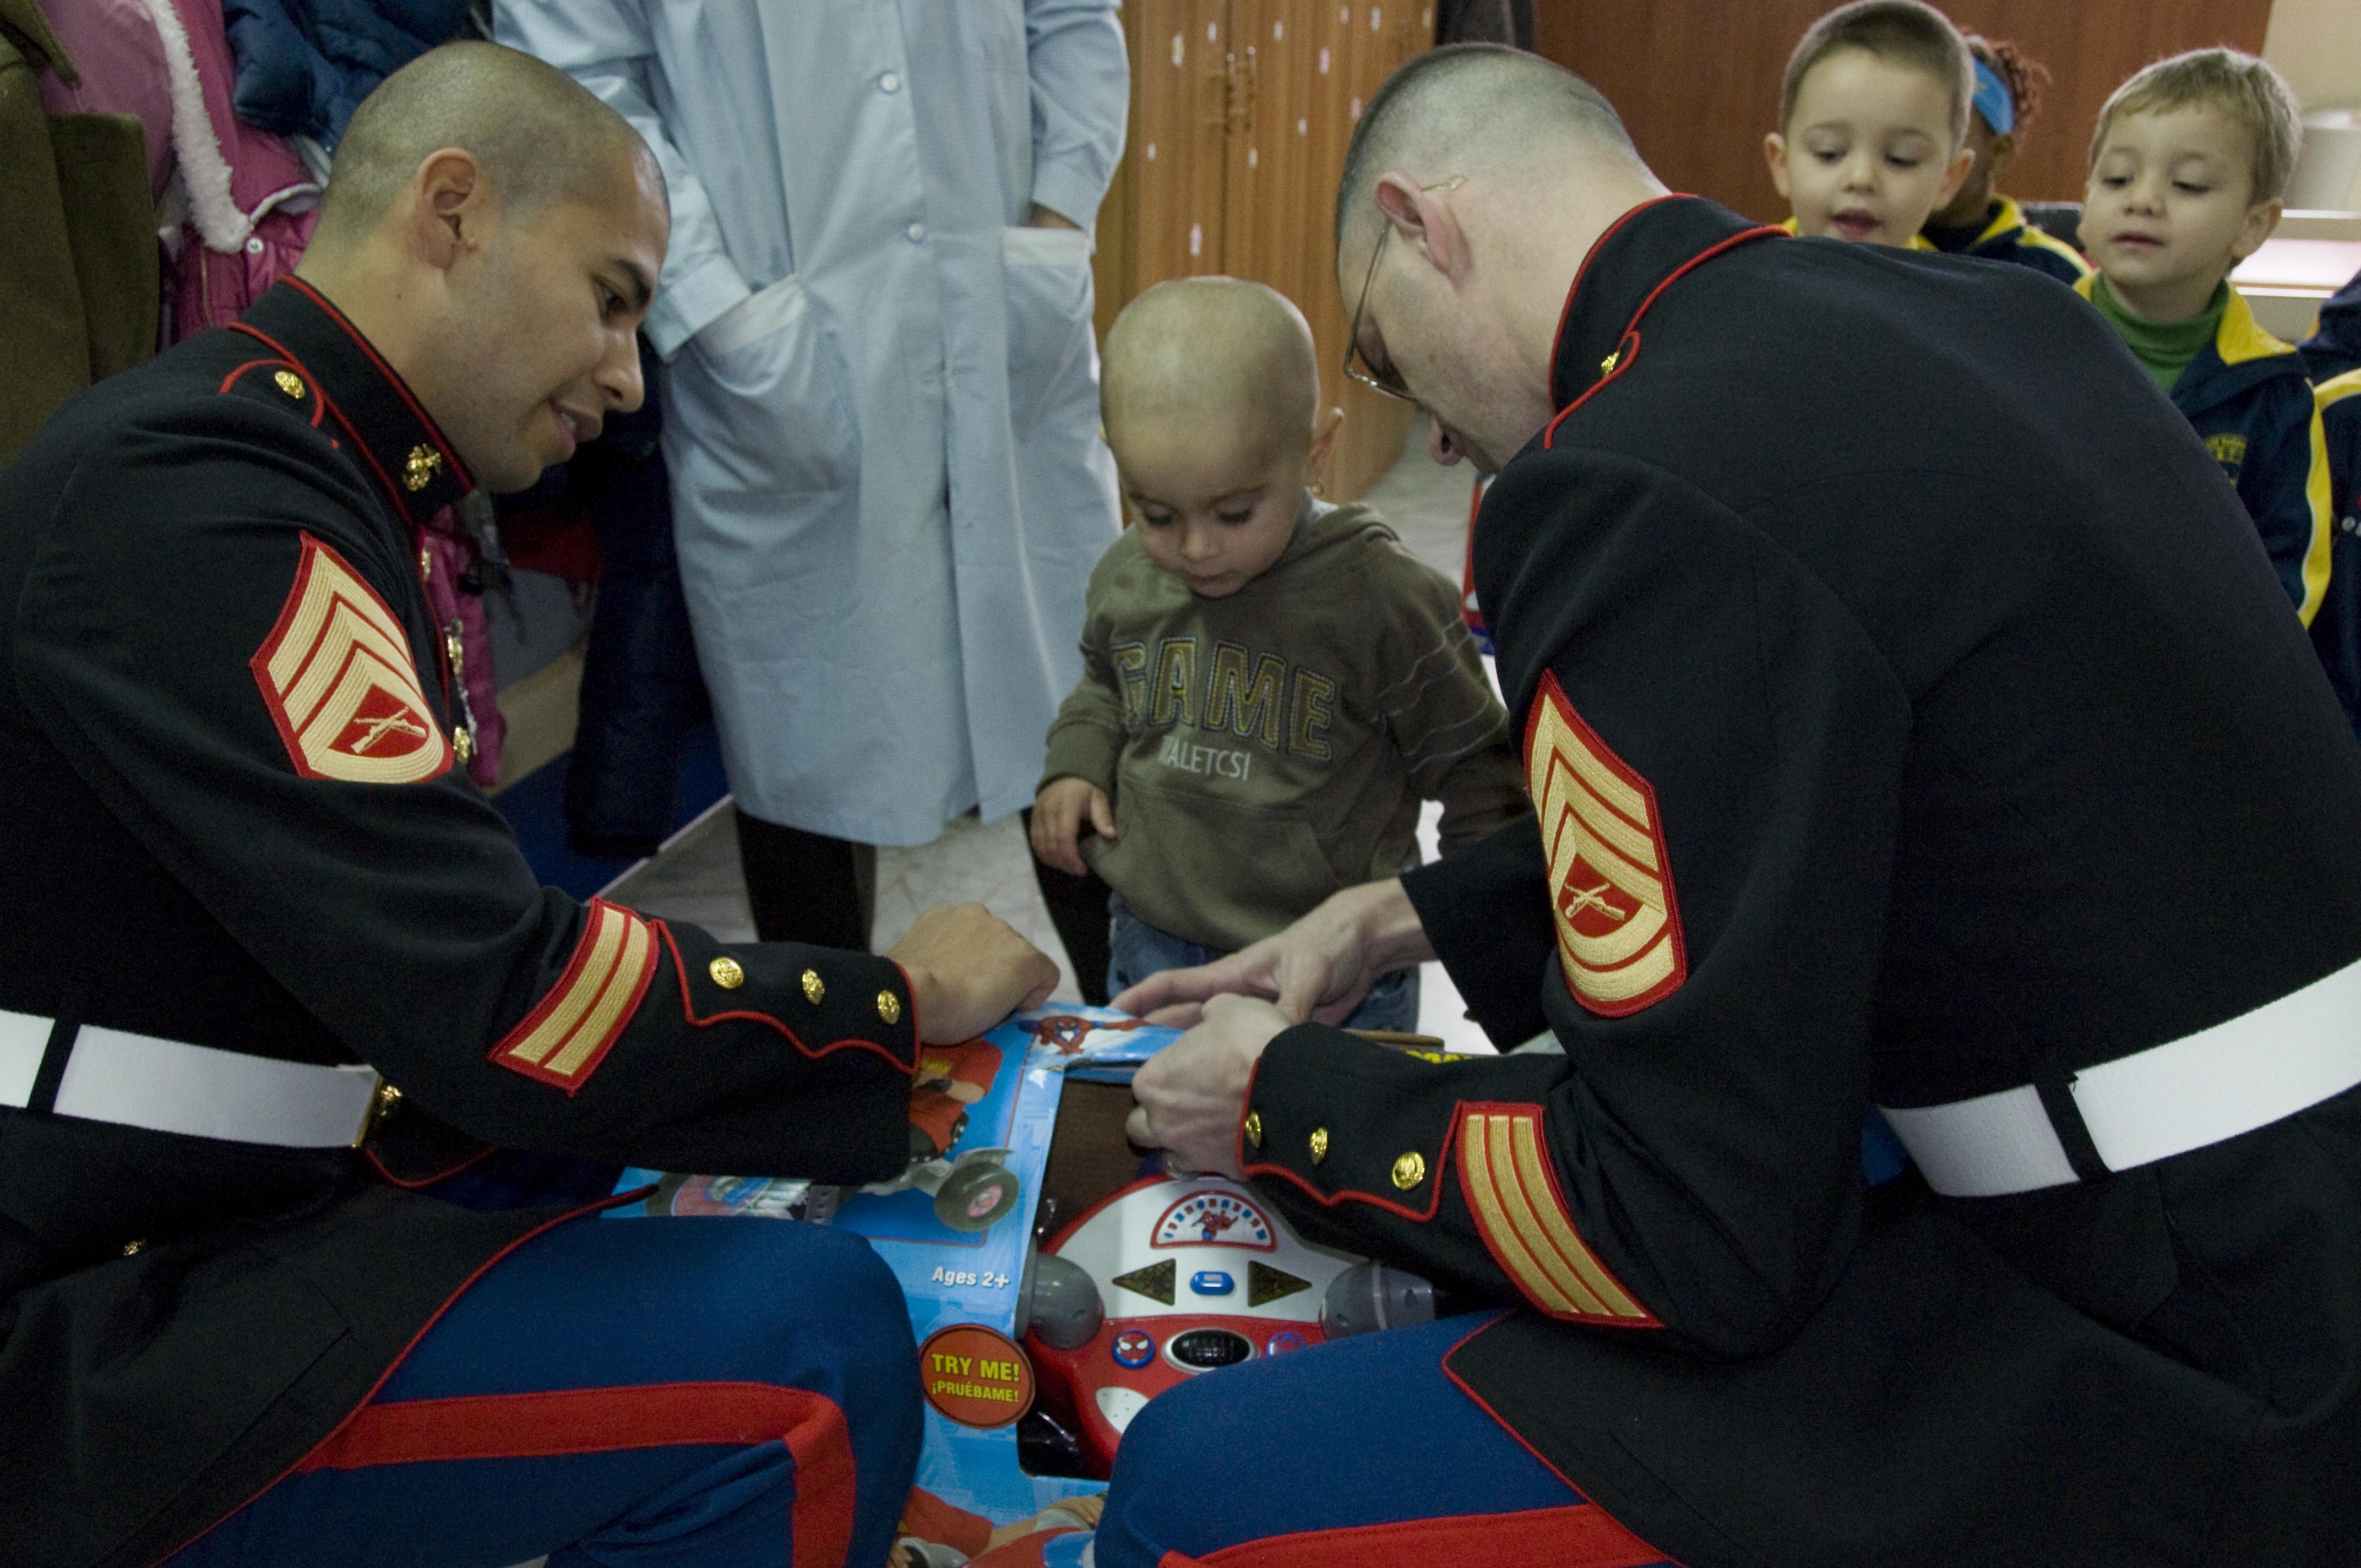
x,y
1199,346
539,134
1476,108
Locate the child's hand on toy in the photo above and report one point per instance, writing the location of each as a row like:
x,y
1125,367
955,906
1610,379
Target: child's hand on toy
x,y
1058,813
968,969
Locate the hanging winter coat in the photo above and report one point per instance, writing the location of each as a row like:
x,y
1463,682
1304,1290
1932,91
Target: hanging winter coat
x,y
304,66
78,267
882,389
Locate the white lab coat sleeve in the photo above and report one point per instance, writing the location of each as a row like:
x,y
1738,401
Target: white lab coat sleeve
x,y
1082,97
606,45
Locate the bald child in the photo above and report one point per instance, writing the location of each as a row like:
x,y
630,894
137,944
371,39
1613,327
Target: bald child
x,y
1271,685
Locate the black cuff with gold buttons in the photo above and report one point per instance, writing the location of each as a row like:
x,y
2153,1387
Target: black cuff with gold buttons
x,y
822,996
1351,1138
1336,1115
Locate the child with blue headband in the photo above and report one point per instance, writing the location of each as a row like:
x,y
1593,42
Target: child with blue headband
x,y
1980,221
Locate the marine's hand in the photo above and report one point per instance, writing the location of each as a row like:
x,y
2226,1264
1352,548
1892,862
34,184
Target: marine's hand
x,y
968,969
1058,813
1317,969
1193,1093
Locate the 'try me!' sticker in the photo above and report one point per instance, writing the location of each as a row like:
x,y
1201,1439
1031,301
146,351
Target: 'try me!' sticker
x,y
976,1377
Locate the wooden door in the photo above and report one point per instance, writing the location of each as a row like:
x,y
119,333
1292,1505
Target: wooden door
x,y
1370,42
1242,111
1181,84
1267,221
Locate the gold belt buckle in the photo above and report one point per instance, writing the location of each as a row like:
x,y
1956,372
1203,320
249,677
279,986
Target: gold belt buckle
x,y
382,1100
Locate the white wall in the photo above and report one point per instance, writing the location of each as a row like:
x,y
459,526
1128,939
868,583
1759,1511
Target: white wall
x,y
2316,45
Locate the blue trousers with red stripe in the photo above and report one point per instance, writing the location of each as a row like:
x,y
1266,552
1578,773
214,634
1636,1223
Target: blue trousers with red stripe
x,y
1360,1452
688,1393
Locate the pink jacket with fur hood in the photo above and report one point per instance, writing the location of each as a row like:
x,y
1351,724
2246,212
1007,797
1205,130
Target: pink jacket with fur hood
x,y
235,205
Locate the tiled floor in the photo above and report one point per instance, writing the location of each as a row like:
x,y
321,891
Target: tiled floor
x,y
697,879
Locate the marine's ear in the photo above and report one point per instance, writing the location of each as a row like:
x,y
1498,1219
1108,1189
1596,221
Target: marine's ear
x,y
451,205
1423,222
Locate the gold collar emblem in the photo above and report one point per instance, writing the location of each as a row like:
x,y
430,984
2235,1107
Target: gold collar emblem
x,y
419,470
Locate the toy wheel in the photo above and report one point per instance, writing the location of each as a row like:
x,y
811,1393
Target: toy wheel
x,y
977,1197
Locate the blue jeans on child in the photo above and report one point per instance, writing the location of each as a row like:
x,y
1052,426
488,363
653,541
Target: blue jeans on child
x,y
1138,949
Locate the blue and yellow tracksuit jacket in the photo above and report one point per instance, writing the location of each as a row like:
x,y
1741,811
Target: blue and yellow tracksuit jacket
x,y
2247,395
2335,345
2007,236
2336,629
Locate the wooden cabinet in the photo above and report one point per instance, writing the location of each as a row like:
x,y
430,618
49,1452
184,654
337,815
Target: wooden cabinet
x,y
1241,113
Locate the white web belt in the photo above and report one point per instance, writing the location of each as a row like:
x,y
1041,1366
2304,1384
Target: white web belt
x,y
2264,1067
138,1081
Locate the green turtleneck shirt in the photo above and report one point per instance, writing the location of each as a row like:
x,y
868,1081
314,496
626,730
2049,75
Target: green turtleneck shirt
x,y
2164,347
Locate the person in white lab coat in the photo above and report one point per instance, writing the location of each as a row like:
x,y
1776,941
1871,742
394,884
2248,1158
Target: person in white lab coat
x,y
881,387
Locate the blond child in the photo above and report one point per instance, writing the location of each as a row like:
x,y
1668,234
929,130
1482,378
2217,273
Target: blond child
x,y
1270,685
1872,123
2188,164
1980,221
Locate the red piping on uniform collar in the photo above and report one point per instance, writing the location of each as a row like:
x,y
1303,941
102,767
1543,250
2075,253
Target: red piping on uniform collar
x,y
1627,347
1566,312
360,443
401,387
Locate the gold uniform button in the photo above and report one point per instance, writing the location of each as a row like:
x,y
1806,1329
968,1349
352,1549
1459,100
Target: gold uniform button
x,y
1318,1144
289,383
1253,1128
464,744
727,972
814,987
133,1248
1409,1170
889,1007
418,470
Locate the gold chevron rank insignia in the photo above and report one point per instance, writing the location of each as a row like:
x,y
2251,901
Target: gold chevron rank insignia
x,y
564,1038
1619,931
338,676
1506,1176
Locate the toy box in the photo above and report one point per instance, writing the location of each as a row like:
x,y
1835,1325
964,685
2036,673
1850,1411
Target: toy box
x,y
1042,1330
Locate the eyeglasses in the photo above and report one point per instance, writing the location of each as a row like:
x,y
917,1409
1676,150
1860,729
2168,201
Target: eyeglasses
x,y
1381,379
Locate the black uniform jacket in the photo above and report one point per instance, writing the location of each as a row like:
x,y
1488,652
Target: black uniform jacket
x,y
238,819
1933,724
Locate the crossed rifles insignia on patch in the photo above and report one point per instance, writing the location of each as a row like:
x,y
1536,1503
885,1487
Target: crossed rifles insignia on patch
x,y
1619,930
338,676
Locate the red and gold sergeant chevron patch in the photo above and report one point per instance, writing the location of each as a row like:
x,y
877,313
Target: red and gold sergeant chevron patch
x,y
563,1040
1619,930
1506,1177
337,674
